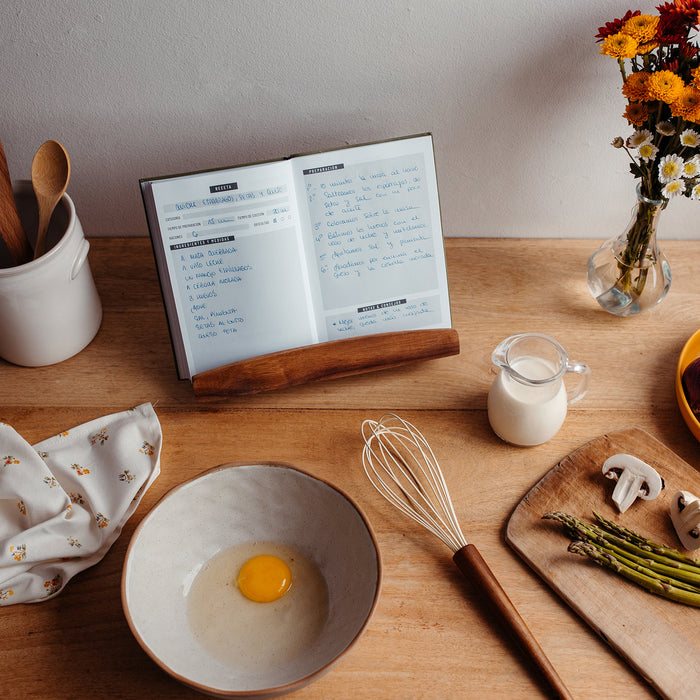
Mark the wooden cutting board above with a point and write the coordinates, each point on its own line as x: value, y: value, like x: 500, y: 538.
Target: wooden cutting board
x: 659, y: 638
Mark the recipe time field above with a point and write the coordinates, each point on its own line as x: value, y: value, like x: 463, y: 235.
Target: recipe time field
x: 285, y: 254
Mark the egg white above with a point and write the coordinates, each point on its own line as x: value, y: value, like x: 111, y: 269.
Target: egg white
x: 249, y: 635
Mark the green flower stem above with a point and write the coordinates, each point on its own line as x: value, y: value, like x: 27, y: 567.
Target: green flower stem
x: 635, y: 253
x: 659, y: 112
x: 621, y: 63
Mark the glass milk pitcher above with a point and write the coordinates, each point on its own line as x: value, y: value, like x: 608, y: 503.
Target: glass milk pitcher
x: 528, y: 398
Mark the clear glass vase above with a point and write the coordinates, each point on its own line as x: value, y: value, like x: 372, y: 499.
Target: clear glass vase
x: 629, y: 274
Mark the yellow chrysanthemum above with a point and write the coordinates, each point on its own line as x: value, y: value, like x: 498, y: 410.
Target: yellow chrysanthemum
x: 635, y: 87
x: 619, y: 46
x: 641, y: 27
x: 636, y: 113
x: 665, y: 85
x: 687, y: 104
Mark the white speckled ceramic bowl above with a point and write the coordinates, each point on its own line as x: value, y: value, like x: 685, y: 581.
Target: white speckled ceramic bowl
x: 230, y: 505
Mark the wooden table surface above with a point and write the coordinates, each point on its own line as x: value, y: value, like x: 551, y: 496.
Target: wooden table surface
x: 431, y: 636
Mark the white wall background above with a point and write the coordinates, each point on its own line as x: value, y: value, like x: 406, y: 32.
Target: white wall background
x: 521, y: 105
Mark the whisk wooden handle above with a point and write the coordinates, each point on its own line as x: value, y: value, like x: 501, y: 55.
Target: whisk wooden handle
x: 474, y: 567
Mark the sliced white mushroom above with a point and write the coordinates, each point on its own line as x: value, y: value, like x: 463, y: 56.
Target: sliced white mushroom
x: 685, y: 514
x: 635, y: 479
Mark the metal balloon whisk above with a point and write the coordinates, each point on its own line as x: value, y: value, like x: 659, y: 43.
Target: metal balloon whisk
x: 401, y: 465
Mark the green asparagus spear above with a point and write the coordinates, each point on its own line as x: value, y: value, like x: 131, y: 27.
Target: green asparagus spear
x: 642, y: 567
x: 650, y: 583
x: 670, y: 574
x: 622, y: 546
x: 645, y: 543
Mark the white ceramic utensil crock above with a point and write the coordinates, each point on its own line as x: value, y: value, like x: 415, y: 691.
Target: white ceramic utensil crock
x: 49, y: 307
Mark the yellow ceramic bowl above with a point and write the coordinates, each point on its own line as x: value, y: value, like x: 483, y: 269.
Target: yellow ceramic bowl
x: 690, y: 351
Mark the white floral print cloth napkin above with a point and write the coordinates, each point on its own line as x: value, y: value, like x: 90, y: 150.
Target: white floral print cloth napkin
x: 63, y: 502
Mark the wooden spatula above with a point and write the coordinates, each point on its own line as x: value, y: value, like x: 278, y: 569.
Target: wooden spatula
x: 10, y: 226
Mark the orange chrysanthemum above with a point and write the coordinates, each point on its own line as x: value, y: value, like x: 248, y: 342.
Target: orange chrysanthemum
x: 635, y: 87
x: 664, y: 85
x: 687, y: 105
x: 648, y: 47
x: 695, y: 73
x: 619, y: 46
x: 636, y: 113
x: 641, y: 27
x: 689, y: 8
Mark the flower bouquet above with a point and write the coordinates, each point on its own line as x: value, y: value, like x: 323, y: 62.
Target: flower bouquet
x: 659, y: 63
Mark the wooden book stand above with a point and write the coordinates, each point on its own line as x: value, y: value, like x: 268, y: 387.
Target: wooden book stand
x: 330, y: 360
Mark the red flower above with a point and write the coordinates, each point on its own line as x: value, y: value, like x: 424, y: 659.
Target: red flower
x: 688, y: 52
x: 680, y: 12
x: 674, y: 20
x: 690, y: 8
x: 615, y: 26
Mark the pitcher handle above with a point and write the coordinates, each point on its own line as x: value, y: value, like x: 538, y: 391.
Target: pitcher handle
x: 584, y: 372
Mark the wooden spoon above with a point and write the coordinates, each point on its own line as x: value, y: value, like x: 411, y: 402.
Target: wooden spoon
x: 50, y: 176
x: 10, y: 225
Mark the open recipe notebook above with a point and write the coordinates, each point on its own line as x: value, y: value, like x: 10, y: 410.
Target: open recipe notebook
x: 277, y: 255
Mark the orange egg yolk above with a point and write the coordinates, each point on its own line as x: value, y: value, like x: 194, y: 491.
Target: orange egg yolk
x: 264, y: 578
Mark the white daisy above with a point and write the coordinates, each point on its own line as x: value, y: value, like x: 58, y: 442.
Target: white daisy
x: 666, y: 128
x: 695, y: 192
x: 639, y: 138
x: 673, y: 189
x: 690, y: 138
x: 648, y: 151
x: 691, y: 167
x: 670, y: 168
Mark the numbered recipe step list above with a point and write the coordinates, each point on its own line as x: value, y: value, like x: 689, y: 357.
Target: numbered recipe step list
x: 373, y: 237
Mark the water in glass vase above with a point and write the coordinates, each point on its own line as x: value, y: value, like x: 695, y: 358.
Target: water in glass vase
x: 625, y: 290
x: 630, y: 274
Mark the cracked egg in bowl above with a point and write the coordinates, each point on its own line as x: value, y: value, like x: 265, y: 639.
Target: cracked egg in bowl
x: 251, y: 580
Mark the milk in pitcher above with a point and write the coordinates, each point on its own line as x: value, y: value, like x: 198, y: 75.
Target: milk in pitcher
x: 524, y: 414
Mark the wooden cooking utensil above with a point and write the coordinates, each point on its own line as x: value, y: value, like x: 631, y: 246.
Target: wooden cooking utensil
x: 401, y: 466
x: 50, y: 177
x: 10, y: 226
